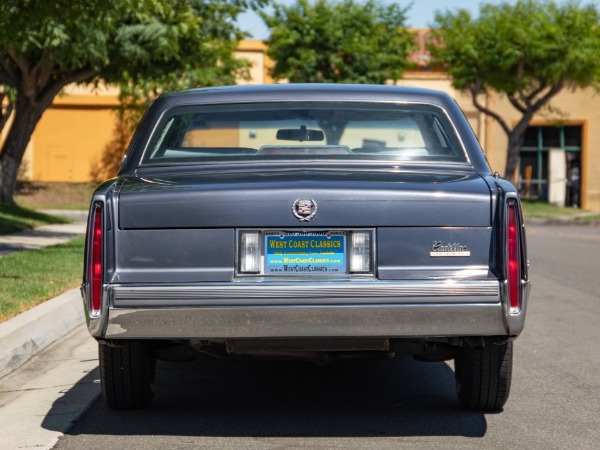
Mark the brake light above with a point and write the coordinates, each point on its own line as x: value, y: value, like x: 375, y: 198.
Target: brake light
x: 513, y: 258
x: 95, y: 260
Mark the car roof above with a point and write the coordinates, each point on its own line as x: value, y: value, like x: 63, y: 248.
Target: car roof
x: 299, y: 92
x: 307, y: 92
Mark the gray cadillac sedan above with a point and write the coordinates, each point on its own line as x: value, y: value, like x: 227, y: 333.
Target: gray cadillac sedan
x: 314, y: 222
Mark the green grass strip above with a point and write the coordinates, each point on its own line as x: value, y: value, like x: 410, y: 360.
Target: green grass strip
x: 539, y: 209
x: 13, y: 218
x: 31, y: 277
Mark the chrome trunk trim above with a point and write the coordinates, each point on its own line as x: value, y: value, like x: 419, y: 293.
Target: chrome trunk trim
x: 294, y: 292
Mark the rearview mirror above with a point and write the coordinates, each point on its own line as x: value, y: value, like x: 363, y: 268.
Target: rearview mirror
x: 301, y: 135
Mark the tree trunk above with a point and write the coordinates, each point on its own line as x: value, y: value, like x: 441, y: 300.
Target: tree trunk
x: 27, y: 114
x: 528, y: 103
x: 516, y: 137
x: 515, y: 142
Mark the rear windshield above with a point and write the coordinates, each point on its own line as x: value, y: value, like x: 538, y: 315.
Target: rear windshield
x: 284, y: 131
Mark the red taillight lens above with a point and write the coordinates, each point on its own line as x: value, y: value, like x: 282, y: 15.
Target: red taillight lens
x: 513, y: 258
x: 95, y: 262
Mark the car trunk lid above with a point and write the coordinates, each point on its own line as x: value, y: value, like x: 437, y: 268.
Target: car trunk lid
x: 343, y: 199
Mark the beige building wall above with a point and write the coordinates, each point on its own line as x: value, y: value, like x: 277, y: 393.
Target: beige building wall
x: 441, y: 82
x: 254, y: 51
x: 581, y: 108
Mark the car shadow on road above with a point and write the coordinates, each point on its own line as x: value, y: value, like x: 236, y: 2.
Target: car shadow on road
x: 210, y: 397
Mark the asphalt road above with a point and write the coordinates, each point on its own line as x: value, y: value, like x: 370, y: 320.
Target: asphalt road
x: 554, y: 403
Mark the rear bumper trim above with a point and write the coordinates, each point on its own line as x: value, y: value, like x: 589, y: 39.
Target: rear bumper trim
x: 307, y: 321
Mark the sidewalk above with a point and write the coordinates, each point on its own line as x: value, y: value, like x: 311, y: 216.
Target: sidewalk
x: 40, y: 401
x: 45, y: 235
x: 30, y: 332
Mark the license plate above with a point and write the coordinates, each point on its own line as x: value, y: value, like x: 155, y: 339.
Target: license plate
x: 299, y: 252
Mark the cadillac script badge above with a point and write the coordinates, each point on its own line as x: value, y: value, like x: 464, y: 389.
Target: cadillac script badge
x: 304, y: 209
x: 454, y: 249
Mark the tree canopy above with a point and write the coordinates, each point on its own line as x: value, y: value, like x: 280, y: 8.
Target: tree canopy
x: 528, y: 51
x: 145, y: 45
x: 342, y: 42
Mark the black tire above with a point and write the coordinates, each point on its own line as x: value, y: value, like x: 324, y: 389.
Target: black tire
x: 127, y: 374
x: 483, y: 376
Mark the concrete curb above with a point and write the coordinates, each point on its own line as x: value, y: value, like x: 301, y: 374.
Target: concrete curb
x: 30, y: 332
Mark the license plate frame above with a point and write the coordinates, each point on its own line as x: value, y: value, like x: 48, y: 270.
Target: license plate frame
x: 305, y: 252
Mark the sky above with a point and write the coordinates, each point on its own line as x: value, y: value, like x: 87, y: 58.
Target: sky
x: 420, y: 14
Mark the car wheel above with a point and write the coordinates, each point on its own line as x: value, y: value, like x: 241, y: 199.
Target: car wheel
x: 127, y: 374
x: 483, y: 375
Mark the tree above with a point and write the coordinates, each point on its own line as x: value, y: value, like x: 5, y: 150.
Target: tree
x: 46, y: 45
x: 338, y: 42
x: 529, y: 52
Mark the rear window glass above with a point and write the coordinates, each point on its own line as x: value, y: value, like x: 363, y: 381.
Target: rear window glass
x: 272, y: 131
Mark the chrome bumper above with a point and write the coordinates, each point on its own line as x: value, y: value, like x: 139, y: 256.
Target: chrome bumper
x: 309, y: 309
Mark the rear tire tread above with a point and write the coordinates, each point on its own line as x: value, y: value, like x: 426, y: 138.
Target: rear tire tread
x: 483, y: 376
x: 127, y: 373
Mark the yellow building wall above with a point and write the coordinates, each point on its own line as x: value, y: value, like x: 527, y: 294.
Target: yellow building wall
x: 219, y: 136
x: 69, y: 140
x: 72, y: 134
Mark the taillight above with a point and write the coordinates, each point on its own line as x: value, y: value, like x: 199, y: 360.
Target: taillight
x: 513, y: 257
x: 95, y: 260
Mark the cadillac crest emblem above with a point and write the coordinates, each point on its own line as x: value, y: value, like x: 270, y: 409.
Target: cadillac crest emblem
x: 304, y: 209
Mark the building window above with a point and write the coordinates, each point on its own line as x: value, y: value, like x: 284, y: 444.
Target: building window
x: 550, y: 165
